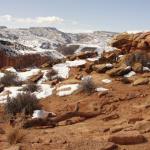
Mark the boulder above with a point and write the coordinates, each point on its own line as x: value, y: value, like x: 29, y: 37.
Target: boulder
x: 102, y: 68
x: 36, y: 78
x: 88, y: 67
x: 83, y: 55
x: 120, y: 71
x: 127, y: 138
x: 91, y: 145
x: 137, y: 67
x: 141, y: 81
x: 110, y: 56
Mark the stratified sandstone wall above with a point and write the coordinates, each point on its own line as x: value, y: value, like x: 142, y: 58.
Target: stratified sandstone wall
x: 22, y: 61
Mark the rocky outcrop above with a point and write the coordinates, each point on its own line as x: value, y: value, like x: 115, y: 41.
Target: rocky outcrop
x: 83, y: 55
x: 129, y: 42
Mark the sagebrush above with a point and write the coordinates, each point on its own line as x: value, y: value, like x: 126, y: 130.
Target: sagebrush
x: 25, y: 102
x: 10, y: 79
x: 87, y: 85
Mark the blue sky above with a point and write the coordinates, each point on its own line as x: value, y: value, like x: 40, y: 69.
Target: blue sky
x: 77, y: 15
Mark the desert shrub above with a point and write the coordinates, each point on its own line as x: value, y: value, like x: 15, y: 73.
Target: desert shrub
x: 25, y: 102
x: 10, y: 79
x: 51, y: 73
x: 15, y: 135
x: 87, y: 85
x: 32, y: 87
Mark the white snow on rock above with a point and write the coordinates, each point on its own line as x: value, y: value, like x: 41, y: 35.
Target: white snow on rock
x: 146, y: 69
x: 68, y: 89
x: 101, y: 89
x: 106, y: 80
x: 130, y: 74
x: 1, y: 74
x: 62, y: 69
x: 44, y: 78
x: 75, y: 63
x: 93, y: 59
x: 41, y: 114
x: 26, y: 74
x: 45, y: 91
x: 11, y: 69
x: 109, y: 65
x: 11, y: 92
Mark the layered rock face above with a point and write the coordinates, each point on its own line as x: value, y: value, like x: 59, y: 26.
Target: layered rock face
x: 138, y: 41
x: 22, y: 61
x: 20, y: 56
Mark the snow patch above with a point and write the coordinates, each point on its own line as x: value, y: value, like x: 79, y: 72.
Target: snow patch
x: 41, y: 114
x: 68, y: 89
x: 45, y: 91
x: 93, y: 59
x: 62, y: 69
x: 130, y: 74
x: 101, y: 89
x: 75, y: 63
x: 106, y: 80
x: 146, y: 69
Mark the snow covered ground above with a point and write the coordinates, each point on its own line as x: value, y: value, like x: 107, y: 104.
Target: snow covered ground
x: 44, y: 91
x: 64, y: 68
x: 23, y: 76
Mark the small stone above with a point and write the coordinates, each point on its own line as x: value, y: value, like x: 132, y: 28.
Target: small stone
x: 127, y: 138
x: 116, y: 129
x: 100, y: 94
x: 134, y: 120
x: 111, y: 117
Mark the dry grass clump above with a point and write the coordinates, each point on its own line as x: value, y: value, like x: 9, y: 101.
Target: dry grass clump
x: 25, y: 102
x: 51, y: 73
x: 87, y: 85
x: 10, y: 79
x: 32, y: 87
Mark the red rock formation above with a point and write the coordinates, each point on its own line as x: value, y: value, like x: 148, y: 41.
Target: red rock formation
x: 22, y: 61
x: 127, y: 42
x: 20, y: 56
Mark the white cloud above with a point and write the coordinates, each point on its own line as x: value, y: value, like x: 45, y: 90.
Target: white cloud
x: 37, y: 21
